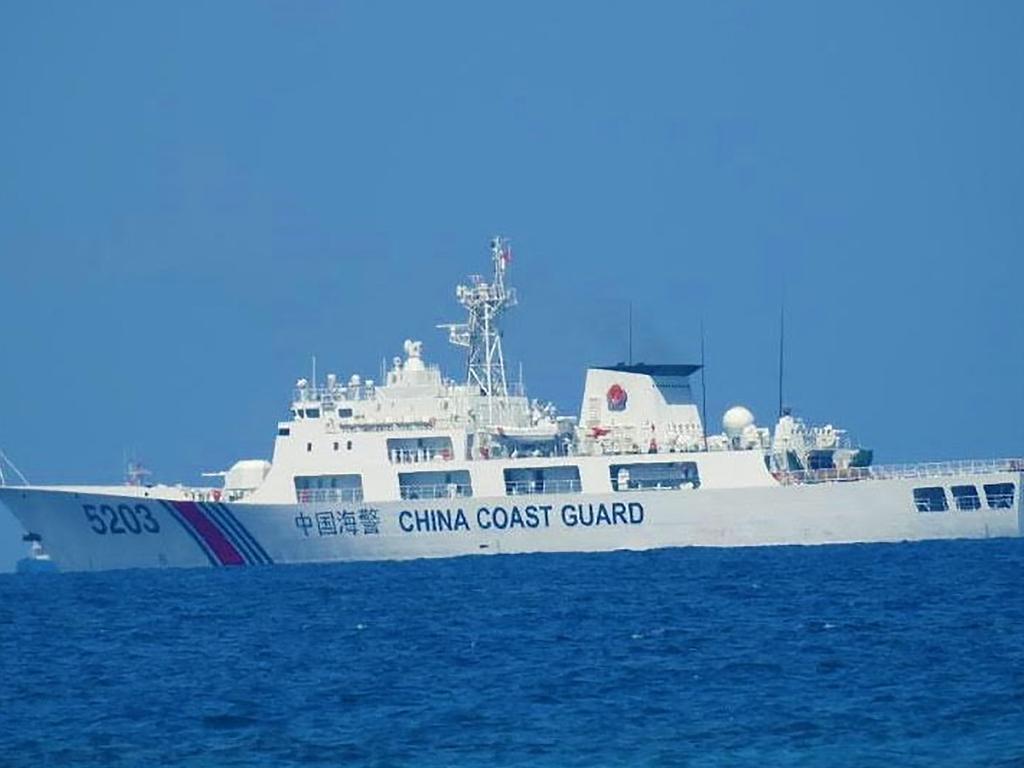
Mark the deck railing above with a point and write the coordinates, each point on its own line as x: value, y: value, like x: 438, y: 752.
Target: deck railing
x: 518, y: 487
x: 440, y: 491
x: 408, y: 456
x: 310, y: 495
x: 903, y: 471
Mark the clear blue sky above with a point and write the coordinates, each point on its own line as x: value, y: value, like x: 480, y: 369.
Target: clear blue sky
x: 196, y: 197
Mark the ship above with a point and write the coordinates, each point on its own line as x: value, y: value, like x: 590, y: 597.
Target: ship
x: 38, y: 559
x: 418, y: 465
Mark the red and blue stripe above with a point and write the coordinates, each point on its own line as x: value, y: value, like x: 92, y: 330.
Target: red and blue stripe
x: 218, y: 532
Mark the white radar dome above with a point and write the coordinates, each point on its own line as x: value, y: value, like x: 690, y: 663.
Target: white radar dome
x: 736, y: 419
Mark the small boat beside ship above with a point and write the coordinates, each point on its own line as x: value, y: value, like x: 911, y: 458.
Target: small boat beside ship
x: 421, y: 465
x: 38, y: 559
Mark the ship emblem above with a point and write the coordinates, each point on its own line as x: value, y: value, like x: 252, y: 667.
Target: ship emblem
x: 616, y: 398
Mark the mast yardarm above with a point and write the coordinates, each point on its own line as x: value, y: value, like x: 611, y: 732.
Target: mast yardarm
x: 481, y: 334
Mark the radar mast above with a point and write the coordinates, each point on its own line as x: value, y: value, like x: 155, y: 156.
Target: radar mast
x: 481, y: 335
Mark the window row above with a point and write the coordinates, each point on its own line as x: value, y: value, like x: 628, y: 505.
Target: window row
x: 413, y: 450
x: 314, y: 413
x: 310, y: 488
x: 337, y: 446
x: 440, y: 484
x: 965, y: 497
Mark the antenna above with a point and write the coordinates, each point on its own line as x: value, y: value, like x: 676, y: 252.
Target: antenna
x: 703, y: 390
x: 481, y: 334
x: 630, y: 333
x: 313, y: 380
x: 782, y: 341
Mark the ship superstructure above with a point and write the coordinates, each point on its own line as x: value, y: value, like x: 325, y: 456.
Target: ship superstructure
x: 418, y: 464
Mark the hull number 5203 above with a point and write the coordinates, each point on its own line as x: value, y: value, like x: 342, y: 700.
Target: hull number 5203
x: 124, y: 518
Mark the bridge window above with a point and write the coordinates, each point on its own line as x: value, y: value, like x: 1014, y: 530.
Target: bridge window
x: 312, y: 413
x: 542, y: 480
x: 820, y: 460
x: 999, y: 495
x: 412, y: 450
x: 653, y: 476
x: 434, y: 485
x: 930, y: 499
x: 310, y: 488
x: 966, y: 497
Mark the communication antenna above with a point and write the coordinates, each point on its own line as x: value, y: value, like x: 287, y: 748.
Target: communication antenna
x: 630, y: 333
x: 135, y: 473
x: 782, y: 341
x: 481, y: 334
x: 703, y: 390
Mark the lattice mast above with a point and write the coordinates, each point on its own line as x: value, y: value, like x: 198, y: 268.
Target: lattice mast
x: 481, y: 335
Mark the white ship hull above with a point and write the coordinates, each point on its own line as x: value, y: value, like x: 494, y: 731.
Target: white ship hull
x: 97, y: 531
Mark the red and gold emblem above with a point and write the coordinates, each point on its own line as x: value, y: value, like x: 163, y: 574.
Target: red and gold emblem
x: 616, y: 398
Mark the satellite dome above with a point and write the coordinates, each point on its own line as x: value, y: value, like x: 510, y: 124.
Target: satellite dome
x: 736, y: 419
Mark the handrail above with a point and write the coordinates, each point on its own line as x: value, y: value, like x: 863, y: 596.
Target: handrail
x: 309, y: 495
x: 516, y: 487
x: 408, y: 456
x: 902, y: 471
x: 438, y: 491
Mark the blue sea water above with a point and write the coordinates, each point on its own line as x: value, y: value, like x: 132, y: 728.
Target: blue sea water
x: 903, y: 654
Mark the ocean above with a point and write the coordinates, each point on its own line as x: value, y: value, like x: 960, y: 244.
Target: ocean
x: 893, y: 654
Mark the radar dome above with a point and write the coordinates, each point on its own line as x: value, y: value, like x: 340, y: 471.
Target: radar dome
x: 736, y: 419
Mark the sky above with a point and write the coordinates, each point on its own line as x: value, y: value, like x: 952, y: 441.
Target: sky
x: 196, y: 198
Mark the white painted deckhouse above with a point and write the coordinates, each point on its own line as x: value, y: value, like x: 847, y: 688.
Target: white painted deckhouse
x: 419, y: 465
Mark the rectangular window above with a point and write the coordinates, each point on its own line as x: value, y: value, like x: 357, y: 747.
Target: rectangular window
x: 310, y: 488
x: 654, y: 476
x: 930, y: 499
x: 312, y: 413
x: 966, y: 497
x: 283, y: 431
x: 413, y: 450
x: 820, y: 460
x: 999, y: 495
x: 345, y: 413
x: 434, y: 485
x: 522, y: 480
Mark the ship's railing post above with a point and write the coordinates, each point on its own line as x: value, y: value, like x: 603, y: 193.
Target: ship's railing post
x: 904, y: 471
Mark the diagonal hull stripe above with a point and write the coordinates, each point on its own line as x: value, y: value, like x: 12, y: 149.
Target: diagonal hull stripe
x: 230, y: 531
x: 189, y: 530
x: 245, y: 534
x: 222, y: 548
